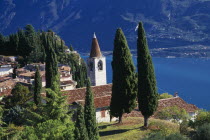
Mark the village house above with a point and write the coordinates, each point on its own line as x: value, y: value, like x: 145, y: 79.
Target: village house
x: 7, y: 58
x: 169, y: 102
x: 27, y: 75
x: 6, y: 86
x: 5, y: 69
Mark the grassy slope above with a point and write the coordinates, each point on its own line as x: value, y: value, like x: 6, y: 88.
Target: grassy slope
x: 130, y: 129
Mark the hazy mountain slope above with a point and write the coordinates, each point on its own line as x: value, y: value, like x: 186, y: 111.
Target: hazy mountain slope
x: 168, y: 23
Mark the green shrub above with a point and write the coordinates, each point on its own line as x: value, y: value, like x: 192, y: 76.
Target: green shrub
x: 203, y: 132
x: 165, y: 128
x: 165, y: 96
x: 184, y: 127
x: 155, y: 136
x: 202, y: 117
x: 173, y: 113
x: 176, y: 136
x: 49, y: 130
x: 159, y: 136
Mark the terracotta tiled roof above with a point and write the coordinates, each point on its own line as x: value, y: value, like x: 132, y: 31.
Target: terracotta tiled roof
x: 102, y: 98
x: 99, y: 102
x: 163, y: 103
x: 7, y: 83
x: 95, y: 49
x: 6, y: 87
x: 6, y: 92
x: 27, y: 74
x: 69, y: 82
x: 2, y: 79
x: 176, y: 101
x: 102, y: 95
x: 65, y: 68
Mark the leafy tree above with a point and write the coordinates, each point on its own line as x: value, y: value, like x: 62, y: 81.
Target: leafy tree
x: 80, y: 132
x: 20, y: 94
x: 165, y: 96
x: 51, y: 129
x: 124, y: 83
x: 90, y: 114
x: 147, y: 90
x: 37, y: 87
x: 173, y: 113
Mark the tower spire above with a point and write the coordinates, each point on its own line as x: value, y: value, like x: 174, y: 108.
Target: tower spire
x: 94, y: 35
x: 95, y: 49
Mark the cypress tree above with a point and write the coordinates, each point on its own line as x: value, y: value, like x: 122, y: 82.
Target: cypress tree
x: 90, y: 114
x: 51, y: 67
x: 37, y: 87
x: 80, y: 132
x: 147, y: 90
x: 124, y: 83
x: 71, y: 48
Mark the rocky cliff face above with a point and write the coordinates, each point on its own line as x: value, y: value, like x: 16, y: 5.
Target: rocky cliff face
x: 168, y: 23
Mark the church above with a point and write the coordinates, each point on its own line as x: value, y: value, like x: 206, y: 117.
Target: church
x: 96, y: 67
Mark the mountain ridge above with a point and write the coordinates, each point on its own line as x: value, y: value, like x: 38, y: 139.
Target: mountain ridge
x: 167, y: 23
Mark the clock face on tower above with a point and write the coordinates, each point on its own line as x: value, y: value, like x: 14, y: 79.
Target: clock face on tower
x: 100, y: 65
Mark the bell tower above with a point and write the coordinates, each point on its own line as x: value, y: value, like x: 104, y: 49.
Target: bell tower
x: 96, y: 64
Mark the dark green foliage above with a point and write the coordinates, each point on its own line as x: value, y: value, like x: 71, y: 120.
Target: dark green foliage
x: 52, y: 75
x: 203, y: 132
x: 37, y: 87
x: 1, y: 114
x: 124, y: 83
x: 14, y: 115
x: 2, y: 45
x: 147, y: 90
x: 78, y: 69
x: 71, y: 48
x: 155, y: 136
x: 90, y: 114
x: 12, y: 45
x: 80, y: 132
x: 176, y: 136
x: 159, y: 136
x: 20, y: 94
x: 184, y: 127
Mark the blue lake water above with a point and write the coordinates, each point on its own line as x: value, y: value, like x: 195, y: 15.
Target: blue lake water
x: 190, y: 77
